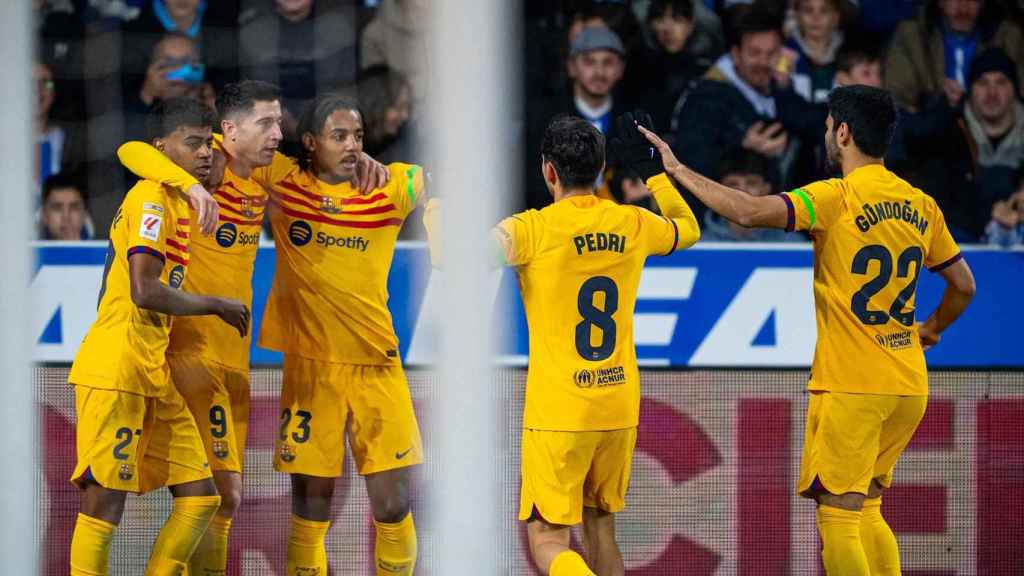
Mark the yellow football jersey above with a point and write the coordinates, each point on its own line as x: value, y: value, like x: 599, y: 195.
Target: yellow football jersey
x: 222, y: 264
x: 579, y: 262
x: 124, y: 348
x: 873, y: 234
x: 329, y: 298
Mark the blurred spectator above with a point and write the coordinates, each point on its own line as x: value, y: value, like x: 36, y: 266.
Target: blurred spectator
x: 750, y: 172
x: 673, y: 65
x: 385, y: 98
x: 815, y: 42
x: 967, y: 159
x: 303, y: 46
x: 932, y: 54
x: 397, y: 38
x: 63, y: 215
x: 596, y: 65
x: 738, y: 104
x: 60, y: 33
x: 173, y: 70
x: 60, y: 146
x: 858, y: 64
x: 1006, y: 228
x: 211, y: 25
x: 880, y: 17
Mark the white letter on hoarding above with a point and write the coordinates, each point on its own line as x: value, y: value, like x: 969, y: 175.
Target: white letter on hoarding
x: 72, y: 290
x: 785, y: 291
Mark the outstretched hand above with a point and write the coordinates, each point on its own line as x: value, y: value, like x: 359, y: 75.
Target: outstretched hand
x: 631, y: 149
x: 668, y: 158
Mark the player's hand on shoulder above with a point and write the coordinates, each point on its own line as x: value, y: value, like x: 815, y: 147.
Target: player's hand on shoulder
x: 370, y: 174
x: 205, y: 206
x: 234, y: 313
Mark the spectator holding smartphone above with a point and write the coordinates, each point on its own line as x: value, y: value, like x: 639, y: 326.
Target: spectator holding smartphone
x: 174, y: 70
x: 1006, y: 228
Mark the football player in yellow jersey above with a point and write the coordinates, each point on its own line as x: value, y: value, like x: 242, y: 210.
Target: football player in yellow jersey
x: 873, y: 234
x: 579, y: 262
x: 327, y: 311
x: 134, y: 432
x: 208, y: 366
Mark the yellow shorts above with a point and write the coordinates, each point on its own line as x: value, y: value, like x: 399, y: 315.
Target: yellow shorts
x: 319, y: 398
x: 218, y: 398
x: 136, y: 443
x: 852, y: 439
x: 564, y: 471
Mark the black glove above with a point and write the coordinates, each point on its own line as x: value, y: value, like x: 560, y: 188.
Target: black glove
x: 632, y: 150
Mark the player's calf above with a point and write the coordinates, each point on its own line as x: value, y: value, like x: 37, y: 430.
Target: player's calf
x: 396, y: 545
x: 102, y: 510
x: 549, y: 548
x: 599, y: 543
x: 195, y: 504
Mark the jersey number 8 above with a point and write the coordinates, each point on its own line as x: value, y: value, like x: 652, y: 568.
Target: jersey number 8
x: 596, y: 317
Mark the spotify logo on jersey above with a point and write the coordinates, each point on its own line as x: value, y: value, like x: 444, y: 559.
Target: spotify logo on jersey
x: 300, y: 233
x: 176, y: 276
x: 227, y: 234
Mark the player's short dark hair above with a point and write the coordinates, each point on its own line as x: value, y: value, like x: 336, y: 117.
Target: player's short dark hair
x: 315, y: 115
x: 60, y: 181
x: 680, y: 9
x: 241, y: 97
x: 169, y: 115
x: 869, y: 112
x: 851, y: 54
x: 575, y: 148
x: 753, y: 20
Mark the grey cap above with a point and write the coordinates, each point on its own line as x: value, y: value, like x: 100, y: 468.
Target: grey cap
x: 596, y: 38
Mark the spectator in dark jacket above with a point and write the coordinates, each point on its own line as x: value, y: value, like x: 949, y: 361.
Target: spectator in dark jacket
x: 60, y: 146
x: 385, y: 99
x: 967, y: 157
x: 816, y: 41
x: 738, y: 104
x: 62, y: 215
x: 932, y: 55
x: 673, y: 64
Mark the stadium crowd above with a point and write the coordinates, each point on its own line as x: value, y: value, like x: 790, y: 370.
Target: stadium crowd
x: 737, y: 88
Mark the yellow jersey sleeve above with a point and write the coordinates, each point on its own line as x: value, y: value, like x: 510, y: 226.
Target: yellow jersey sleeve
x: 813, y: 207
x: 942, y: 250
x: 517, y: 238
x: 148, y: 163
x: 145, y: 213
x: 406, y: 187
x: 672, y: 206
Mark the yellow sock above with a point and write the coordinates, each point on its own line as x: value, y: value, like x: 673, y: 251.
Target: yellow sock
x: 211, y: 556
x: 180, y: 535
x: 569, y: 563
x: 879, y: 542
x: 90, y: 546
x: 396, y: 547
x: 842, y: 551
x: 307, y: 555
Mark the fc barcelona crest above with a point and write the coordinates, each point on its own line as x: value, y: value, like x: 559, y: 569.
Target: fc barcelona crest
x: 327, y: 205
x: 125, y: 472
x: 220, y: 449
x: 287, y: 453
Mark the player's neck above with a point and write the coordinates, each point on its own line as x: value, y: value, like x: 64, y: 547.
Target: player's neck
x: 857, y: 160
x: 236, y: 164
x: 562, y: 194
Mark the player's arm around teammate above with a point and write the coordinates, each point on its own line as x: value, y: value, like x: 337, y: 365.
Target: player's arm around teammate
x: 133, y: 432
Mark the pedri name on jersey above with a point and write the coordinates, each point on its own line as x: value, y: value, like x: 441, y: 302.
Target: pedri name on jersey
x: 872, y: 214
x: 599, y: 242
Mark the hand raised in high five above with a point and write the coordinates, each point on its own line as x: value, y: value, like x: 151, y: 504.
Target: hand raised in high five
x: 631, y: 149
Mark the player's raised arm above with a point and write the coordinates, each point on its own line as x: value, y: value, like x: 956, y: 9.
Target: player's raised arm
x: 146, y: 162
x: 635, y: 153
x: 738, y: 206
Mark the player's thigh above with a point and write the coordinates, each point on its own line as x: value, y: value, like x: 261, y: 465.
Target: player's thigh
x: 897, y: 431
x: 109, y: 438
x: 608, y: 480
x: 383, y: 431
x: 218, y: 398
x: 174, y: 452
x: 554, y: 466
x: 313, y: 411
x: 841, y: 442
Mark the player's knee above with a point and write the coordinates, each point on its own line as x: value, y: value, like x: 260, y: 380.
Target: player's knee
x: 311, y: 497
x: 230, y: 500
x: 391, y: 509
